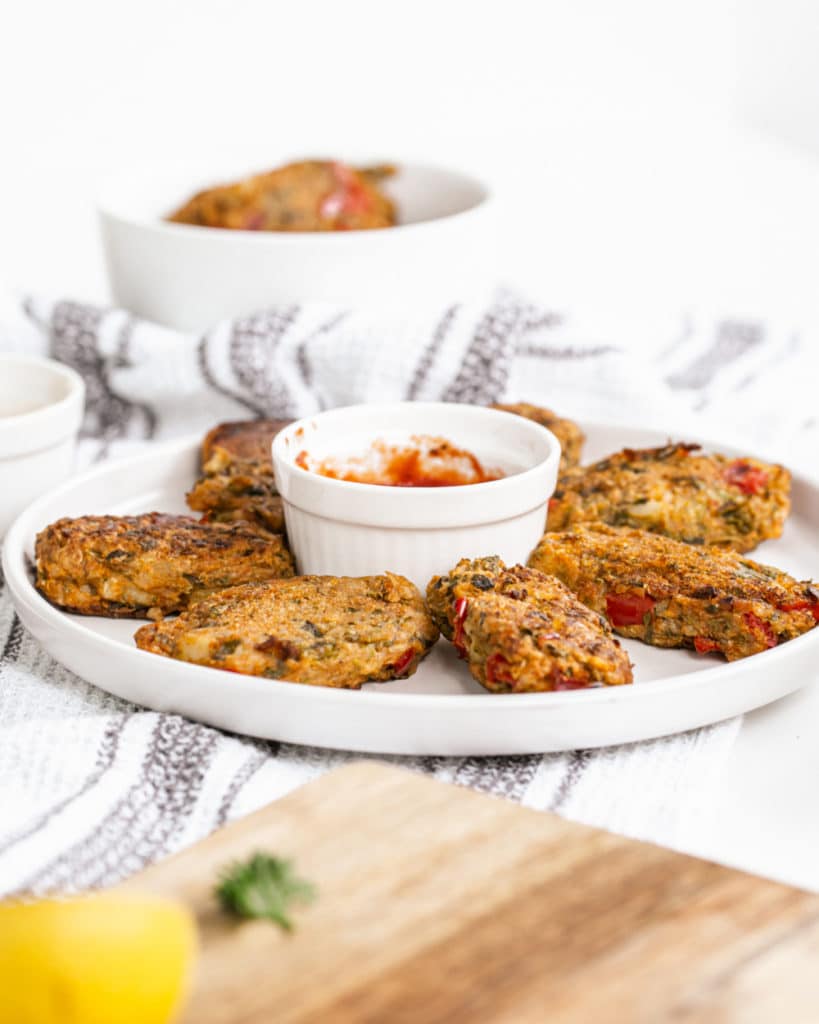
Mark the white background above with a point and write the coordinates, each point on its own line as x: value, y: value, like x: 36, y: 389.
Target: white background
x: 647, y: 151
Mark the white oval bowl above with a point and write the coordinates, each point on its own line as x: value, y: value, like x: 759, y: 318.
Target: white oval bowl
x: 340, y: 528
x: 41, y: 409
x: 189, y: 277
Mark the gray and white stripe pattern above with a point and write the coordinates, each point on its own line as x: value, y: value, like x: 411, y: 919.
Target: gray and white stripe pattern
x: 93, y: 789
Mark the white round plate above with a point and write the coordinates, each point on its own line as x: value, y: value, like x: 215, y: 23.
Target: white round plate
x: 440, y: 710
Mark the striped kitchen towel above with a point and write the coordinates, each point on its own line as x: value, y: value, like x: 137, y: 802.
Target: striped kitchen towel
x: 93, y: 788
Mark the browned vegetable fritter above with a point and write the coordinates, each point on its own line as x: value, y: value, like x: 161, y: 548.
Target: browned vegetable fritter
x: 671, y: 594
x: 310, y: 195
x: 237, y: 481
x: 150, y: 565
x: 700, y: 499
x: 469, y: 578
x: 240, y: 445
x: 321, y: 630
x: 522, y: 631
x: 569, y: 434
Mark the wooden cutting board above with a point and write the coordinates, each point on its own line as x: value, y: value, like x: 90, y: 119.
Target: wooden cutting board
x: 437, y: 904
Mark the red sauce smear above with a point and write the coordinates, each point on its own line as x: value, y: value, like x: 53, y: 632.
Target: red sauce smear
x: 425, y: 462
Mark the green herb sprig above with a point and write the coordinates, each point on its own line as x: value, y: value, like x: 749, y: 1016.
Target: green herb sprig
x: 263, y: 887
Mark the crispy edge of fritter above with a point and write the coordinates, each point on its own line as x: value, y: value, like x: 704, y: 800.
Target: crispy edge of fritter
x: 388, y: 589
x: 56, y: 543
x: 469, y: 576
x: 702, y: 590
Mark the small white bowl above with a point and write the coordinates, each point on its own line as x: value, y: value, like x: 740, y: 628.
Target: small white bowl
x: 189, y: 277
x: 340, y: 528
x: 41, y: 409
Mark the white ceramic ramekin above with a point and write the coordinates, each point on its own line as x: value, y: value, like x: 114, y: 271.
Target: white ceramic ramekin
x: 41, y: 408
x: 189, y: 277
x: 340, y: 528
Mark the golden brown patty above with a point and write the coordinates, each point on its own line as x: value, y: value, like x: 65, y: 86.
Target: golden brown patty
x: 700, y: 499
x: 311, y: 195
x: 469, y: 578
x: 521, y: 631
x: 237, y: 481
x: 321, y: 630
x: 672, y: 594
x: 240, y: 445
x: 232, y: 498
x: 569, y: 434
x: 149, y: 565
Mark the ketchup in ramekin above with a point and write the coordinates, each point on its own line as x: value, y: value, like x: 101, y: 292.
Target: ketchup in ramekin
x: 424, y: 462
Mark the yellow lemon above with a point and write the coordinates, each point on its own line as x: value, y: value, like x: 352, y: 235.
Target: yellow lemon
x: 110, y: 958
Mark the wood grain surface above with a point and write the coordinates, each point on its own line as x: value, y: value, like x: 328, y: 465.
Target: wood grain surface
x: 437, y: 904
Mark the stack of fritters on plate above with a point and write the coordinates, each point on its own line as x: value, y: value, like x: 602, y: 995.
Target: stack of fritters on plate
x: 677, y: 578
x: 237, y: 475
x: 648, y: 543
x: 653, y: 539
